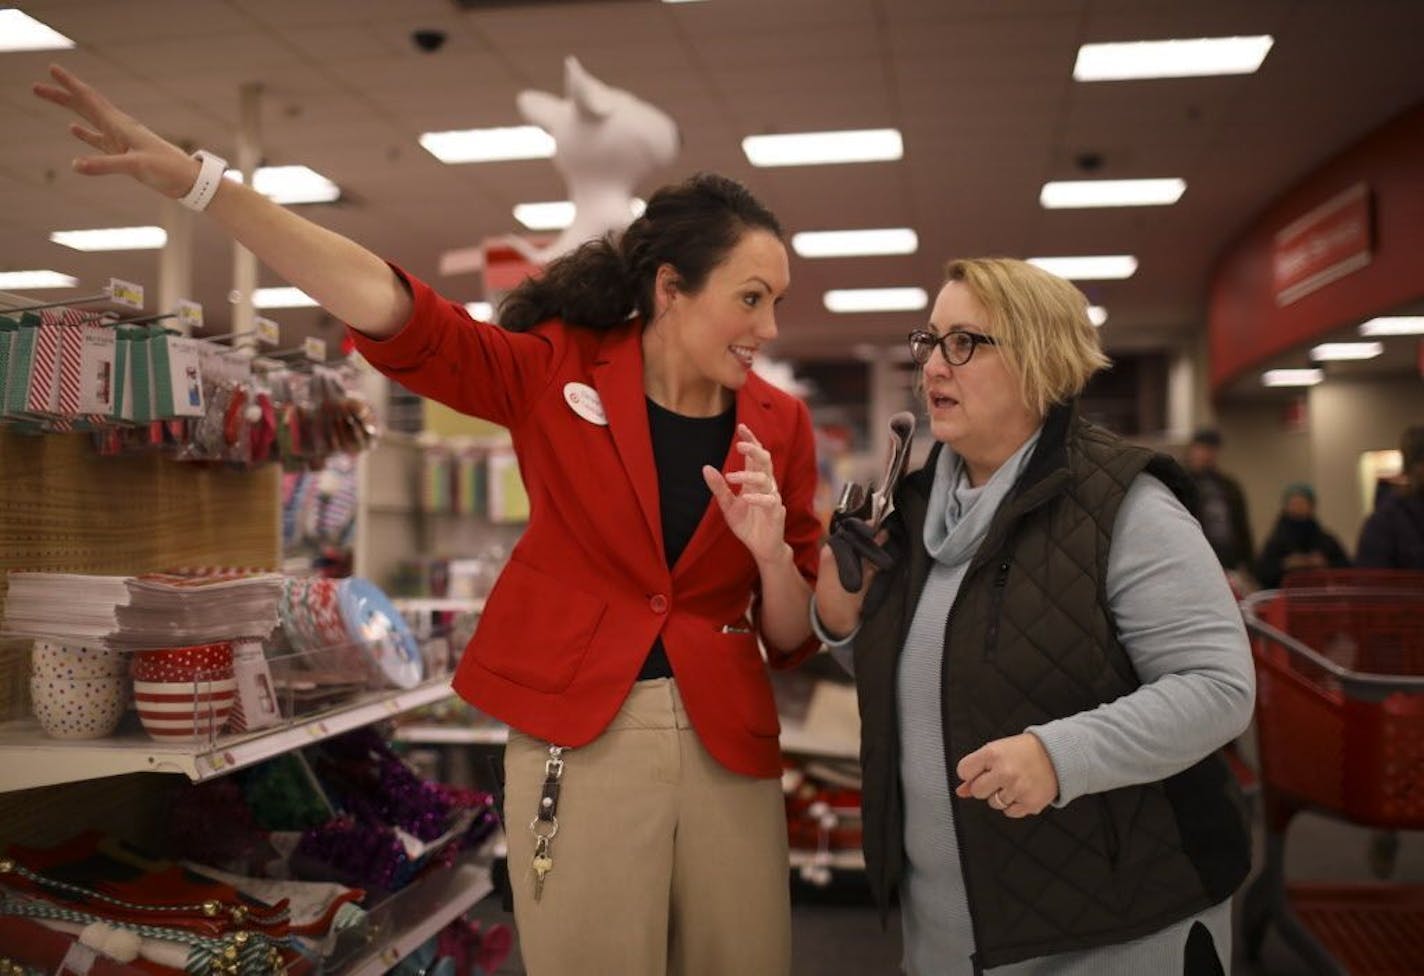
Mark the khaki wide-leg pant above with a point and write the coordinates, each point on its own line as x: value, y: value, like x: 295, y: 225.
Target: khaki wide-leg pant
x: 665, y: 863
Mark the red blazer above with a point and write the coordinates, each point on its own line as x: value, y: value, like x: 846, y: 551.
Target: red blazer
x: 570, y: 621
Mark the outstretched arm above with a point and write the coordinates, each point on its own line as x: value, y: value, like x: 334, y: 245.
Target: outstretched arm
x: 347, y: 280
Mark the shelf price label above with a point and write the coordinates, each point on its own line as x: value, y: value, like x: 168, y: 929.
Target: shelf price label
x: 268, y: 332
x: 125, y: 293
x: 314, y: 348
x: 190, y: 315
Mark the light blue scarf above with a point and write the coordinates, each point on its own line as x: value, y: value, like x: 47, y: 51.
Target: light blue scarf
x: 966, y: 512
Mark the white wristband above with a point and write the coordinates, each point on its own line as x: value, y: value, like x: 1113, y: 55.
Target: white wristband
x: 209, y: 179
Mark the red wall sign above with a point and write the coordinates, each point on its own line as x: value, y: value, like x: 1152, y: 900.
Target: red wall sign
x: 1322, y: 246
x: 1344, y: 244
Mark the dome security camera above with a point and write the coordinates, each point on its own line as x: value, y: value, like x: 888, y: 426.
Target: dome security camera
x: 428, y: 41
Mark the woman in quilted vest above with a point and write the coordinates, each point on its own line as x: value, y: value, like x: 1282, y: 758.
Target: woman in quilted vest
x: 1046, y: 666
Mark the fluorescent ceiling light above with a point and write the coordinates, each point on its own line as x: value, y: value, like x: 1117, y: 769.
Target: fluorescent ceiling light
x: 483, y: 311
x: 558, y: 214
x: 1292, y: 377
x: 285, y: 297
x: 489, y: 145
x: 1393, y: 325
x: 112, y: 238
x: 21, y: 32
x: 816, y: 148
x: 1097, y: 315
x: 849, y: 243
x: 36, y: 279
x: 290, y: 184
x: 1328, y: 351
x: 876, y: 300
x: 1171, y: 59
x: 1095, y: 268
x: 1066, y: 194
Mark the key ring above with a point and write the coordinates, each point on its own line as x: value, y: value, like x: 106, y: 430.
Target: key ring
x: 553, y: 823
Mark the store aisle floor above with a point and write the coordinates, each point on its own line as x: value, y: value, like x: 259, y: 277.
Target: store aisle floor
x: 846, y: 940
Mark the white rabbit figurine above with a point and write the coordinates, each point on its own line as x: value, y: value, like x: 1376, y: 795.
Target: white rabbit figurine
x: 606, y: 141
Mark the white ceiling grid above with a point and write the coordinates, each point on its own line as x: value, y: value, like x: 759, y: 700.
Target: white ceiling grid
x: 981, y: 89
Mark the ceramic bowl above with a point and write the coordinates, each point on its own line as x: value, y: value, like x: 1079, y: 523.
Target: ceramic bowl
x: 51, y: 660
x: 205, y: 661
x: 78, y: 708
x: 177, y: 711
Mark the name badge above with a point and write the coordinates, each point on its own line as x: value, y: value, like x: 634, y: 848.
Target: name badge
x: 584, y: 401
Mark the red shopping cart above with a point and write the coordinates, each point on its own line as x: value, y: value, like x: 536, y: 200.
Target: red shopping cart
x: 1340, y: 729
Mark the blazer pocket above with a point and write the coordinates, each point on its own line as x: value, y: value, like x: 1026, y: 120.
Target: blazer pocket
x: 752, y: 685
x: 541, y: 628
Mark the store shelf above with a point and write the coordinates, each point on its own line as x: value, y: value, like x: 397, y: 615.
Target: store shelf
x: 452, y: 735
x: 427, y: 604
x: 793, y: 739
x: 835, y: 860
x: 421, y: 911
x: 797, y: 740
x: 29, y: 758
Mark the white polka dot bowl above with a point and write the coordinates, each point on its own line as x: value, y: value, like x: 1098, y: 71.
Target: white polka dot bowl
x: 184, y: 711
x: 78, y: 708
x: 54, y: 661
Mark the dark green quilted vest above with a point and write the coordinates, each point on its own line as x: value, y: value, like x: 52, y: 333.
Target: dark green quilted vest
x: 1030, y: 639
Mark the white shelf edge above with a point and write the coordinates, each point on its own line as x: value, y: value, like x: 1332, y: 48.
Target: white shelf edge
x: 29, y: 759
x: 793, y: 739
x: 417, y: 604
x: 797, y: 740
x: 452, y: 735
x: 839, y: 860
x: 470, y: 882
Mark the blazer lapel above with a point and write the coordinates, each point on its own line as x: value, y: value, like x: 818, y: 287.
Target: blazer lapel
x: 618, y: 378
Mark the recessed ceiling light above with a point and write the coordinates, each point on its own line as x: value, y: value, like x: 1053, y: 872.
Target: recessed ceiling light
x: 1292, y: 377
x: 1393, y: 325
x: 36, y: 279
x: 1184, y: 58
x: 112, y: 238
x: 1328, y: 351
x: 849, y: 243
x: 1097, y: 315
x: 489, y: 145
x: 290, y: 184
x: 819, y: 148
x: 558, y: 214
x: 21, y: 32
x: 283, y: 297
x: 876, y: 300
x: 1066, y: 194
x: 1090, y: 268
x: 483, y: 311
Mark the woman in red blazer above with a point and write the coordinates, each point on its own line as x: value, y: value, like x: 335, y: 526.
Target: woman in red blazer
x: 645, y: 825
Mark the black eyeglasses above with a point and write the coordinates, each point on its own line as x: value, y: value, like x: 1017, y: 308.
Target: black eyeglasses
x: 956, y: 346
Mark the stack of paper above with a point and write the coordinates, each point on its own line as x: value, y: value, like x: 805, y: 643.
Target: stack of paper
x: 135, y: 613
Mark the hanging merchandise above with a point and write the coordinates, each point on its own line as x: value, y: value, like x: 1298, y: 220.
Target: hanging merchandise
x: 167, y: 915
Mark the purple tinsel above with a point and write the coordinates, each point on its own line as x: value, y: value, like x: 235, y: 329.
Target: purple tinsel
x: 376, y: 791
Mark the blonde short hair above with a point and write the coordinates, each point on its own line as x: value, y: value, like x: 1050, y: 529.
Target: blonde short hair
x: 1040, y: 322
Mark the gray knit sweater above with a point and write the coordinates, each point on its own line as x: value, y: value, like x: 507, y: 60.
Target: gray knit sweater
x: 1182, y: 630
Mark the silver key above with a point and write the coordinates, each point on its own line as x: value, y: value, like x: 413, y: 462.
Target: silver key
x: 543, y: 864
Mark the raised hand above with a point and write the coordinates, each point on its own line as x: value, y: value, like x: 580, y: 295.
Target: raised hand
x: 124, y: 144
x: 755, y: 514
